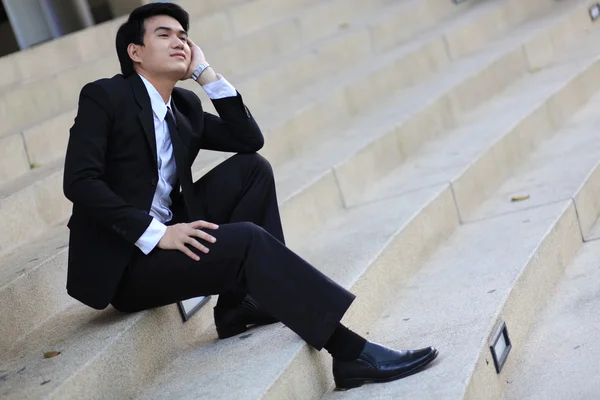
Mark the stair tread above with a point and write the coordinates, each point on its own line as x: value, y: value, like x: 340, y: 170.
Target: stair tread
x: 435, y: 163
x: 483, y: 260
x: 19, y: 262
x: 462, y: 67
x: 443, y: 159
x: 78, y: 332
x: 559, y: 359
x: 30, y: 178
x: 547, y: 180
x: 452, y: 301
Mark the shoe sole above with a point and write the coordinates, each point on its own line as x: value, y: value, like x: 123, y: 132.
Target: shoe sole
x: 352, y: 383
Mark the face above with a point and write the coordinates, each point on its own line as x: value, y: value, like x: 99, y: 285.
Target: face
x: 165, y: 51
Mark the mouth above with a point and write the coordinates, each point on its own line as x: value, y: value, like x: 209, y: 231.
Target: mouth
x: 179, y: 55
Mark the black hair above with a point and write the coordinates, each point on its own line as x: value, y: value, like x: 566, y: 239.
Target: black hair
x: 133, y: 30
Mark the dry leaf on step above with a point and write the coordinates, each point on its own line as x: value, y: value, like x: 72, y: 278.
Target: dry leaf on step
x: 520, y: 198
x: 50, y: 354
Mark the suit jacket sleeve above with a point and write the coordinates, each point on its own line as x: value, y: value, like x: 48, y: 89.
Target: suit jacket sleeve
x: 83, y: 182
x: 234, y: 130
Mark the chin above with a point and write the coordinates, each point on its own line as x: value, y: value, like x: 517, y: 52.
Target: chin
x: 176, y: 73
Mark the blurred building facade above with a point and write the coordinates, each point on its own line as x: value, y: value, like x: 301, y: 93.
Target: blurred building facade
x: 26, y: 23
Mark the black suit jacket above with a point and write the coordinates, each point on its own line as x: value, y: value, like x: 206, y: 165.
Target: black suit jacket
x: 111, y: 172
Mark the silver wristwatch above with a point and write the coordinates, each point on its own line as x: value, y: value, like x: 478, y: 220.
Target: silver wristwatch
x: 196, y: 74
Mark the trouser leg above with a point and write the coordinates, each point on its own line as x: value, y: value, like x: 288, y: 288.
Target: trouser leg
x: 240, y: 189
x: 245, y: 254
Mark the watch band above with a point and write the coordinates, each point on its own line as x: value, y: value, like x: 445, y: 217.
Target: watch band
x: 196, y: 74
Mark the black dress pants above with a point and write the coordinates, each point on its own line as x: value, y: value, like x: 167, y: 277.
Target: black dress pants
x: 249, y: 256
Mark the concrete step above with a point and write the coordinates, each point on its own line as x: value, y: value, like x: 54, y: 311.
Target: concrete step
x: 269, y: 56
x: 403, y: 67
x: 501, y: 266
x: 295, y: 114
x: 302, y: 185
x: 56, y: 93
x: 509, y: 127
x: 559, y: 357
x: 89, y: 342
x: 76, y: 48
x: 212, y: 20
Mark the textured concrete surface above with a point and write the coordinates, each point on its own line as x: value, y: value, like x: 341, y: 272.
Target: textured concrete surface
x: 454, y: 299
x: 547, y: 180
x: 452, y: 155
x: 104, y: 354
x: 560, y: 357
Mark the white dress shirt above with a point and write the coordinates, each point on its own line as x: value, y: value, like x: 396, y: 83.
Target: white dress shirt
x: 167, y: 172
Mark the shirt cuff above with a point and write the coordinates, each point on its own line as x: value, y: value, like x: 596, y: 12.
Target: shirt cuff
x: 219, y: 89
x: 149, y: 239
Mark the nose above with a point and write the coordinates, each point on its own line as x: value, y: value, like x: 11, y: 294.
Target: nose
x: 178, y: 44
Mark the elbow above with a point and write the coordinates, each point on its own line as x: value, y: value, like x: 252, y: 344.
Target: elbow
x: 68, y: 190
x: 259, y: 138
x: 260, y: 143
x: 73, y: 188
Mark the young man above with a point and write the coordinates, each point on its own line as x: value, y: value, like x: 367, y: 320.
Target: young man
x: 144, y: 235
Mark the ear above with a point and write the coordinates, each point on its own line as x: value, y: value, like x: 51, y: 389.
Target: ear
x: 134, y: 52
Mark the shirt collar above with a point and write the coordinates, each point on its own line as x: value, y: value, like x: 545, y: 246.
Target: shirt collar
x: 156, y: 101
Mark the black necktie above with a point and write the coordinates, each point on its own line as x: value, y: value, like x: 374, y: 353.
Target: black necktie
x: 184, y: 174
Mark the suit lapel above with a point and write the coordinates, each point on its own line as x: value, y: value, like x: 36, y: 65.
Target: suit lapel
x: 145, y: 115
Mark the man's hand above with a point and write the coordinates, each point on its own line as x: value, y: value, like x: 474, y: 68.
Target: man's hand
x: 177, y: 236
x: 208, y: 75
x: 197, y: 59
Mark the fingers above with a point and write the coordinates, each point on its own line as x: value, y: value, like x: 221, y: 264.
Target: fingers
x: 203, y: 224
x: 196, y: 244
x: 202, y: 235
x: 191, y: 43
x: 188, y: 252
x: 188, y: 234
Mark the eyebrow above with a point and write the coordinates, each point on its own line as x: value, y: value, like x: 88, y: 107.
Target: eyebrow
x: 166, y: 28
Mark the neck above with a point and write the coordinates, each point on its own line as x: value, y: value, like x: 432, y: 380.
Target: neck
x: 163, y: 85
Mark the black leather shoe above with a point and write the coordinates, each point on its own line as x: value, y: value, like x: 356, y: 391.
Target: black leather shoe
x: 378, y: 363
x: 233, y: 321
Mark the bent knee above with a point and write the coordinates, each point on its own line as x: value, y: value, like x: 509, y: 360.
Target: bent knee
x: 255, y: 160
x: 248, y: 228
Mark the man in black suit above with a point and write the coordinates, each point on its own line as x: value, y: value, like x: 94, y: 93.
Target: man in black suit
x: 144, y: 235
